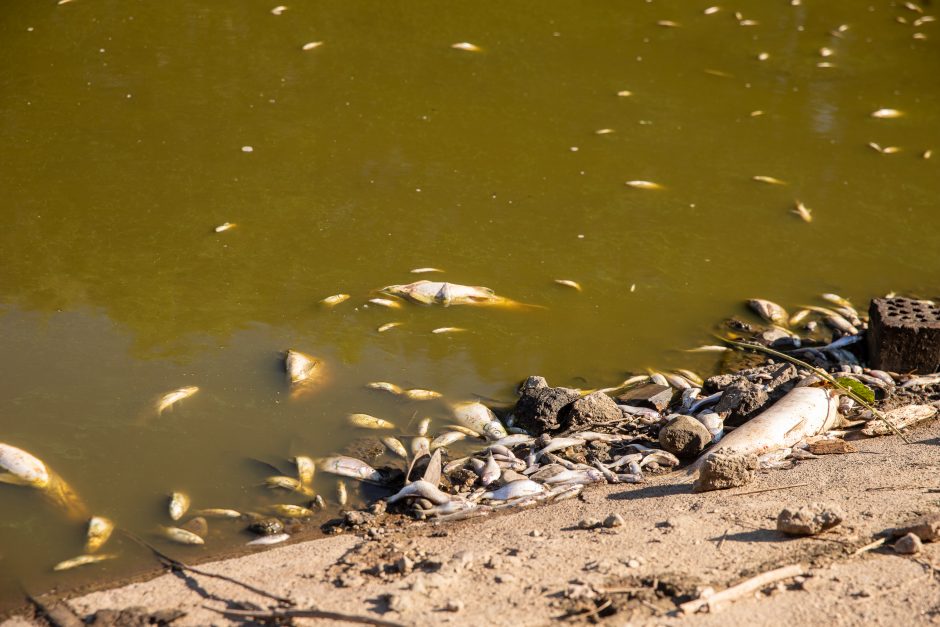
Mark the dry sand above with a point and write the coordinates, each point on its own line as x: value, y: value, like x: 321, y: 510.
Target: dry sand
x: 534, y: 566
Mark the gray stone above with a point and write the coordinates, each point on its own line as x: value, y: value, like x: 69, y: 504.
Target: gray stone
x: 908, y: 545
x: 809, y: 520
x: 725, y: 470
x: 650, y: 395
x: 614, y: 520
x: 590, y: 410
x: 684, y: 437
x: 540, y: 409
x: 533, y: 383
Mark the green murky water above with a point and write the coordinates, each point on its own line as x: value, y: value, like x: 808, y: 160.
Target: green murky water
x: 122, y: 127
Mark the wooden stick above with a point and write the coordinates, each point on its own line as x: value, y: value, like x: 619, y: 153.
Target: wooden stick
x: 782, y: 487
x: 869, y: 547
x: 744, y: 588
x: 291, y: 613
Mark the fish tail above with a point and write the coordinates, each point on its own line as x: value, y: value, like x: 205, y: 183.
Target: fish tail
x: 63, y: 496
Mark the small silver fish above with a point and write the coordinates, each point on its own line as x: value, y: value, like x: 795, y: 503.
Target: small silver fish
x: 311, y: 45
x: 395, y: 446
x: 466, y: 46
x: 225, y: 227
x: 569, y: 283
x: 342, y: 496
x: 886, y: 114
x: 287, y: 483
x: 770, y: 180
x: 446, y: 439
x: 350, y: 467
x: 440, y: 330
x: 218, y: 512
x: 708, y: 348
x: 417, y: 394
x: 491, y: 471
x: 803, y: 211
x: 170, y: 399
x: 425, y: 270
x: 82, y: 560
x: 386, y: 302
x: 289, y: 511
x: 278, y: 10
x: 335, y: 299
x: 388, y: 325
x: 420, y: 489
x: 268, y: 540
x: 637, y: 184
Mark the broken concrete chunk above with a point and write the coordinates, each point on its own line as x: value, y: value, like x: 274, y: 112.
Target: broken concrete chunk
x: 685, y: 437
x: 927, y: 528
x: 830, y: 446
x: 809, y: 520
x: 721, y: 471
x: 651, y: 395
x: 908, y: 544
x: 593, y: 409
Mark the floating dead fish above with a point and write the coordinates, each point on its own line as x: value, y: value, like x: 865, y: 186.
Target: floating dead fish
x: 306, y: 468
x: 289, y: 511
x: 384, y: 386
x: 886, y: 114
x: 287, y: 483
x: 385, y: 302
x: 99, y: 530
x: 21, y: 468
x: 756, y: 114
x: 218, y: 512
x: 418, y: 394
x: 311, y: 45
x: 926, y: 154
x: 637, y: 184
x: 423, y: 490
x: 350, y: 467
x: 82, y: 560
x: 335, y: 299
x: 181, y: 536
x: 168, y: 400
x: 826, y: 52
x: 444, y: 293
x: 763, y: 56
x: 446, y: 439
x: 441, y: 330
x: 799, y: 317
x: 388, y: 325
x: 366, y: 421
x: 425, y: 270
x: 668, y: 24
x: 269, y: 540
x: 711, y: 10
x: 803, y: 211
x: 468, y: 432
x: 769, y: 311
x: 395, y: 446
x: 278, y: 10
x: 624, y: 93
x: 342, y: 496
x: 178, y: 505
x: 760, y: 178
x: 885, y: 150
x: 708, y: 348
x: 569, y: 283
x: 477, y: 416
x: 300, y: 367
x: 835, y: 299
x: 225, y: 227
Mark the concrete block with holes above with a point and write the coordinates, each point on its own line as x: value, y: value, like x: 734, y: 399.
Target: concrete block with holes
x: 904, y: 335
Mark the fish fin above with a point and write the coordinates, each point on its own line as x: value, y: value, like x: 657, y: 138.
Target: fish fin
x: 432, y: 474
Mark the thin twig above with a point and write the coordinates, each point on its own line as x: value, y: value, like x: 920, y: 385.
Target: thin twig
x: 175, y: 563
x: 825, y: 375
x: 871, y: 546
x: 781, y: 487
x: 724, y: 537
x: 744, y: 588
x: 298, y: 613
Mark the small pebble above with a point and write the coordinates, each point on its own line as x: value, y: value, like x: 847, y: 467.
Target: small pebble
x: 614, y: 520
x: 908, y: 545
x: 588, y: 523
x: 535, y: 533
x: 454, y: 605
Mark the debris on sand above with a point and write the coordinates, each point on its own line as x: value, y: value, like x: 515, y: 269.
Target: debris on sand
x: 809, y: 520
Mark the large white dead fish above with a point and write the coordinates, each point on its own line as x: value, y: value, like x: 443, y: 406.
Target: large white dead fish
x: 769, y: 311
x: 99, y: 530
x: 477, y: 416
x: 302, y: 370
x: 168, y: 400
x: 803, y: 412
x: 17, y: 467
x: 444, y: 293
x: 350, y: 467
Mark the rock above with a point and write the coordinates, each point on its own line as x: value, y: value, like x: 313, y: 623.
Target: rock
x: 908, y: 544
x: 589, y: 523
x: 725, y: 470
x: 197, y: 525
x: 927, y: 528
x: 398, y: 602
x: 454, y: 605
x: 404, y: 564
x: 747, y: 393
x: 356, y: 518
x: 778, y: 338
x: 650, y: 395
x: 684, y: 437
x: 742, y: 399
x: 378, y: 508
x: 809, y: 520
x: 590, y: 410
x: 540, y: 409
x: 366, y: 449
x: 266, y: 526
x: 533, y: 383
x: 505, y: 578
x: 614, y: 520
x: 536, y: 533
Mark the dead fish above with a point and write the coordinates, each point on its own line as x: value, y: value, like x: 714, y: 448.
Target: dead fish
x: 768, y: 179
x: 423, y: 426
x: 420, y: 446
x: 926, y: 154
x: 835, y: 299
x: 169, y: 399
x: 350, y: 467
x: 491, y: 471
x: 425, y: 270
x: 763, y: 56
x: 799, y: 317
x: 278, y: 10
x: 366, y: 421
x: 306, y: 468
x: 769, y: 311
x: 803, y: 211
x: 668, y: 24
x: 462, y: 429
x: 82, y: 560
x: 466, y: 46
x: 691, y: 376
x: 311, y: 45
x: 197, y: 525
x: 395, y: 446
x: 21, y: 468
x: 624, y: 93
x: 440, y: 330
x: 569, y: 283
x: 268, y: 540
x: 513, y: 440
x: 420, y: 489
x: 445, y: 293
x: 446, y: 439
x: 886, y: 114
x: 480, y: 418
x: 178, y: 505
x: 385, y: 302
x: 287, y: 483
x: 885, y: 150
x: 225, y: 227
x: 218, y: 512
x: 708, y: 348
x: 826, y: 52
x: 604, y: 131
x: 99, y: 530
x: 516, y: 489
x: 342, y: 496
x: 335, y: 299
x: 384, y: 386
x: 637, y: 184
x: 285, y: 510
x: 417, y: 394
x: 583, y: 476
x: 181, y: 536
x: 388, y: 325
x: 300, y: 367
x: 711, y: 10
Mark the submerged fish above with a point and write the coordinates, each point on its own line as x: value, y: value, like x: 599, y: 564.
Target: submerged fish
x: 569, y: 283
x: 99, y: 530
x: 366, y: 421
x: 301, y: 368
x: 385, y: 386
x: 446, y: 439
x: 388, y: 325
x: 170, y: 399
x: 287, y: 483
x: 417, y: 394
x: 440, y: 330
x: 424, y: 270
x: 768, y: 179
x: 289, y: 511
x: 178, y: 506
x: 225, y: 227
x: 218, y: 512
x: 335, y: 299
x: 803, y: 211
x: 477, y: 416
x: 466, y: 46
x: 82, y: 560
x: 395, y: 446
x: 306, y: 468
x: 181, y: 536
x: 643, y: 185
x: 385, y: 302
x: 311, y: 45
x: 886, y: 113
x: 342, y: 496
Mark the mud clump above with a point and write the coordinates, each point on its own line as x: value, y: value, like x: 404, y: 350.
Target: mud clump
x: 593, y: 409
x: 541, y: 408
x: 748, y: 392
x: 809, y: 520
x: 685, y: 437
x: 721, y: 471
